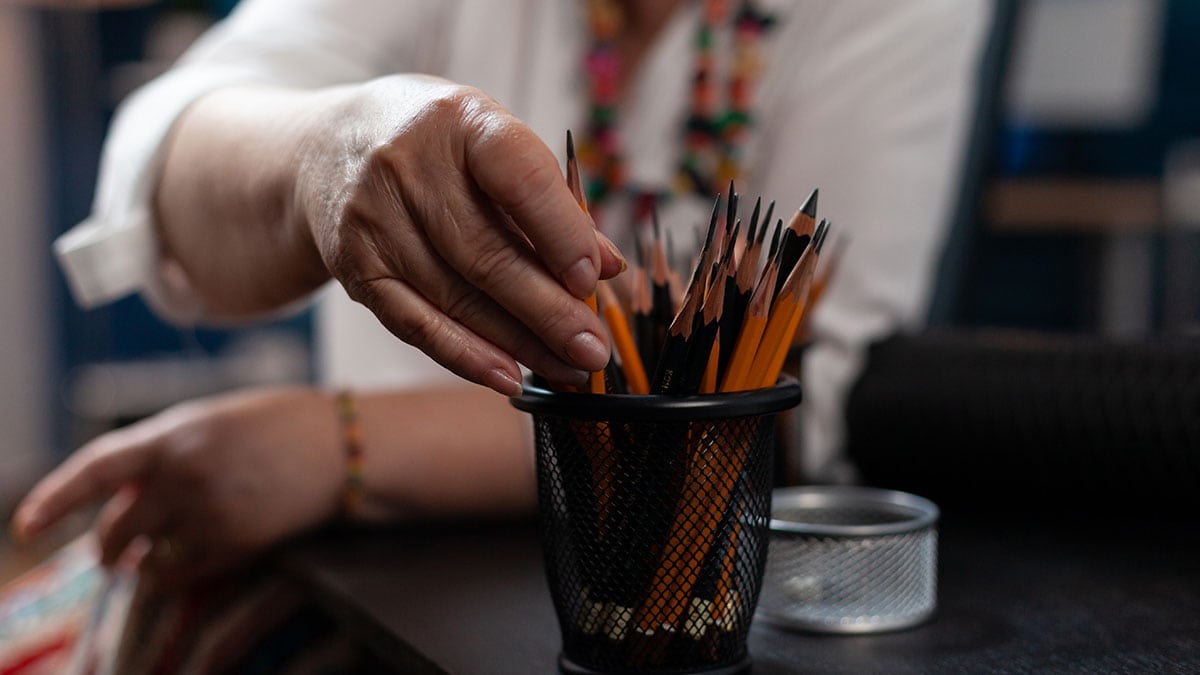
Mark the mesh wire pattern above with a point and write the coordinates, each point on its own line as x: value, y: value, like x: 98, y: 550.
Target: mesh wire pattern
x: 655, y: 532
x: 850, y: 560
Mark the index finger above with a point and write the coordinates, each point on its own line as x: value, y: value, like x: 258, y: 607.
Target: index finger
x: 520, y: 174
x: 96, y: 470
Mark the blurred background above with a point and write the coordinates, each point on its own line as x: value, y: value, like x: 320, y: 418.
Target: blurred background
x: 1080, y: 212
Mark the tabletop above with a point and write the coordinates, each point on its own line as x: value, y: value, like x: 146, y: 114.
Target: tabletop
x: 1079, y: 596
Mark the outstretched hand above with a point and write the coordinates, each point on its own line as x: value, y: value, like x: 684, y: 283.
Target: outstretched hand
x: 207, y: 484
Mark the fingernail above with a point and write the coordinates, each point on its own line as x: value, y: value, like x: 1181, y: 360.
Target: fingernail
x: 502, y: 382
x: 612, y: 248
x: 587, y: 351
x: 580, y: 278
x: 560, y: 376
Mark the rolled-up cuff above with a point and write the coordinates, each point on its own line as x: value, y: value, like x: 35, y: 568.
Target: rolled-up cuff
x: 104, y: 263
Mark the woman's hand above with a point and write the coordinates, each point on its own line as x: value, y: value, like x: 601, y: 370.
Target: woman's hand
x: 210, y: 483
x: 454, y: 225
x: 431, y: 204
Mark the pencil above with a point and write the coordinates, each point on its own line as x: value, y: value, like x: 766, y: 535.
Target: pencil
x: 662, y: 308
x: 641, y: 310
x: 796, y: 237
x: 738, y: 291
x: 631, y: 361
x: 785, y: 317
x: 669, y: 372
x: 596, y: 383
x: 751, y: 333
x: 705, y: 334
x: 780, y: 350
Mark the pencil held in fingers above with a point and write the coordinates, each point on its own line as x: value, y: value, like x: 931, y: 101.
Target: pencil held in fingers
x: 596, y: 381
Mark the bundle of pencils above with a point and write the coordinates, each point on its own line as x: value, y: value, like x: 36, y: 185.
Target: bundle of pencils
x: 739, y: 314
x: 663, y: 502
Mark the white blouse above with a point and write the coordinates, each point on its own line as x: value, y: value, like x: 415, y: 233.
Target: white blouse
x: 867, y: 100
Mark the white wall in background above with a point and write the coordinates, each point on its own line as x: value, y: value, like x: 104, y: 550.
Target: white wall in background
x: 25, y: 311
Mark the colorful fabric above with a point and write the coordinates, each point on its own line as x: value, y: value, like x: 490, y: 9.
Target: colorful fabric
x: 72, y: 616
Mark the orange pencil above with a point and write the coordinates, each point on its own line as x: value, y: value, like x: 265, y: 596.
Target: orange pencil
x: 595, y: 379
x: 739, y: 289
x: 785, y: 317
x: 631, y: 361
x: 796, y: 237
x: 751, y: 334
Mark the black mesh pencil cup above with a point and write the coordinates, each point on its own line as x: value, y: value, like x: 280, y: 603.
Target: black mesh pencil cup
x: 654, y: 516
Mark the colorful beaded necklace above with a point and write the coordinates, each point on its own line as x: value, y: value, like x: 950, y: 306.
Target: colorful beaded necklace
x: 713, y: 139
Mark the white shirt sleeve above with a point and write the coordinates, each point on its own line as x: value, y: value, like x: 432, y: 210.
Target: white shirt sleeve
x: 295, y: 43
x: 875, y: 114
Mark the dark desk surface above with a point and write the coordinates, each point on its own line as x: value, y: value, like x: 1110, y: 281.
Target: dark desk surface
x: 1079, y: 598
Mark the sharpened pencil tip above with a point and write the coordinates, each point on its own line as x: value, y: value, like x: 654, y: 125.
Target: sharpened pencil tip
x: 823, y: 231
x: 775, y: 239
x: 570, y: 145
x: 810, y: 205
x: 766, y: 221
x: 712, y: 224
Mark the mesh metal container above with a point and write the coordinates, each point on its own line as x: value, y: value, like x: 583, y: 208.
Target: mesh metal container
x: 654, y: 515
x: 850, y: 560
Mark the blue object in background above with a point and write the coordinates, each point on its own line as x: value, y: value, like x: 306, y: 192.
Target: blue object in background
x: 80, y: 52
x: 1048, y: 281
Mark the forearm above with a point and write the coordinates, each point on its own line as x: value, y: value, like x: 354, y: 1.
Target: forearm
x: 455, y: 452
x: 226, y: 204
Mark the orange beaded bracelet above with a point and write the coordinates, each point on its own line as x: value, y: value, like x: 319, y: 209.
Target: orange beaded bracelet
x: 352, y: 493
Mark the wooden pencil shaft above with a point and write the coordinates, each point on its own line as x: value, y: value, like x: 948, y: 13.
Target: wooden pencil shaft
x: 631, y: 361
x: 736, y: 304
x: 727, y: 265
x: 798, y: 235
x: 750, y: 335
x: 692, y: 533
x: 596, y: 380
x: 706, y: 249
x: 703, y: 338
x: 748, y: 265
x: 673, y: 359
x: 784, y: 318
x: 780, y: 351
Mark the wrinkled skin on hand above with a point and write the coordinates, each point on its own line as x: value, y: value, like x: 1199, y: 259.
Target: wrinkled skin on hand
x: 451, y: 221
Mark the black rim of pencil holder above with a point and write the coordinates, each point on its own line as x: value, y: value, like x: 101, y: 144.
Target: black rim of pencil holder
x: 654, y: 515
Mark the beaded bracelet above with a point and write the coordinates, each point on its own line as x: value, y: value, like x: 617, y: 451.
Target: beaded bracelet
x: 352, y: 492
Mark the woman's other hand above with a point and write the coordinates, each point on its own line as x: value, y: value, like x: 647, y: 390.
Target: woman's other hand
x: 208, y: 483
